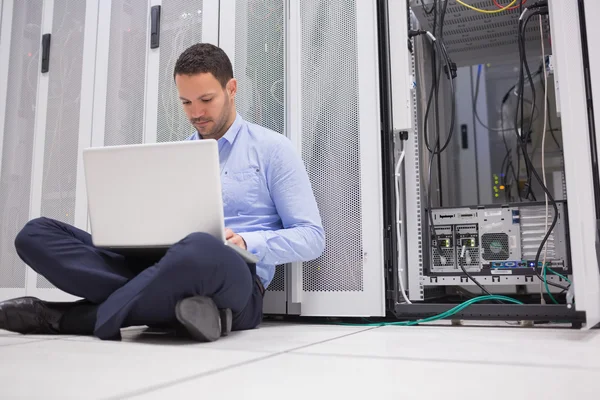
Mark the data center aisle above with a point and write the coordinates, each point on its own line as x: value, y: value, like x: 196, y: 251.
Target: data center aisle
x: 300, y: 361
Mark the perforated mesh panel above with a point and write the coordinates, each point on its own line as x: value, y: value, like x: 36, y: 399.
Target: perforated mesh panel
x: 468, y: 233
x: 472, y: 258
x: 278, y: 282
x: 443, y: 259
x: 15, y: 172
x: 331, y: 140
x: 495, y: 246
x: 126, y: 73
x: 259, y: 62
x: 259, y: 69
x: 62, y: 122
x: 472, y: 37
x: 446, y: 257
x: 180, y: 27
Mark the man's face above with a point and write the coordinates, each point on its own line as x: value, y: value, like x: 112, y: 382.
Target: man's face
x: 208, y: 106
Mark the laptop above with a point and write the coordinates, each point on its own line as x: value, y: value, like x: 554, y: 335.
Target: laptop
x: 145, y: 198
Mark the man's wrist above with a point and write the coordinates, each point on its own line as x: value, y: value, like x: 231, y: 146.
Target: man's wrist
x: 255, y: 243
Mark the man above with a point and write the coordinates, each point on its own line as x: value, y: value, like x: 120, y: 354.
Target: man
x: 199, y: 284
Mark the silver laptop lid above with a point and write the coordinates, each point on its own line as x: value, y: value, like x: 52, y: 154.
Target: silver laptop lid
x: 153, y: 195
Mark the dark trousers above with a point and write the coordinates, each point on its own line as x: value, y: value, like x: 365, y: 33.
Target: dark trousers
x: 137, y: 290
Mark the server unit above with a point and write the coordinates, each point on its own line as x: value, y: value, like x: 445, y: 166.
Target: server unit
x: 498, y: 240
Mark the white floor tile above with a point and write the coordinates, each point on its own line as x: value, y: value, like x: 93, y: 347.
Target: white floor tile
x: 298, y: 376
x: 308, y: 361
x: 66, y: 369
x: 502, y: 346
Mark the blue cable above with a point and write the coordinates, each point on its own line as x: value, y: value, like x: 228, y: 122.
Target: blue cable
x: 446, y: 314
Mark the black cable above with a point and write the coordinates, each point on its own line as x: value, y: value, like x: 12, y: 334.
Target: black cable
x: 505, y: 182
x: 504, y: 100
x: 510, y: 166
x: 473, y: 278
x: 451, y: 75
x: 436, y: 73
x: 428, y: 108
x: 442, y: 18
x: 439, y: 156
x: 521, y: 89
x: 435, y: 76
x: 508, y: 185
x: 505, y: 162
x: 436, y: 113
x: 527, y: 132
x: 522, y: 28
x: 552, y: 130
x: 518, y: 154
x: 523, y: 137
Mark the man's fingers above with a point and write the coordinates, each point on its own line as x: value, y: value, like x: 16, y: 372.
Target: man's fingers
x: 238, y: 241
x: 234, y: 238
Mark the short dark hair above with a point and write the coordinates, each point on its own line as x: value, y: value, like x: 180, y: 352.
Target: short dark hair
x: 202, y: 58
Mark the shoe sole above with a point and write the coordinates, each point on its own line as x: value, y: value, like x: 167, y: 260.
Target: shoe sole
x: 201, y: 318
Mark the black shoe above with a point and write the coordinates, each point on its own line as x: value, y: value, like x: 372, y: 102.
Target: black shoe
x: 29, y: 315
x: 202, y: 319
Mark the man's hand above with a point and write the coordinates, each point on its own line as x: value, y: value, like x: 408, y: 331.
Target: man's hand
x: 234, y: 238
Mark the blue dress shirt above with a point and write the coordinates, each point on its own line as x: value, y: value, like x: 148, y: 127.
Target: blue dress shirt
x: 267, y: 197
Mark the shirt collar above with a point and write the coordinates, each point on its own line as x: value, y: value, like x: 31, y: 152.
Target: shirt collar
x: 231, y: 133
x: 233, y: 130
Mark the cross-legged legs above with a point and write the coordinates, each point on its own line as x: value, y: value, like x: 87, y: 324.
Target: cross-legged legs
x: 132, y: 292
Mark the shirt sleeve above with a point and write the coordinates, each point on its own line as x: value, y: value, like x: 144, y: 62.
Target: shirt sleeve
x: 302, y: 237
